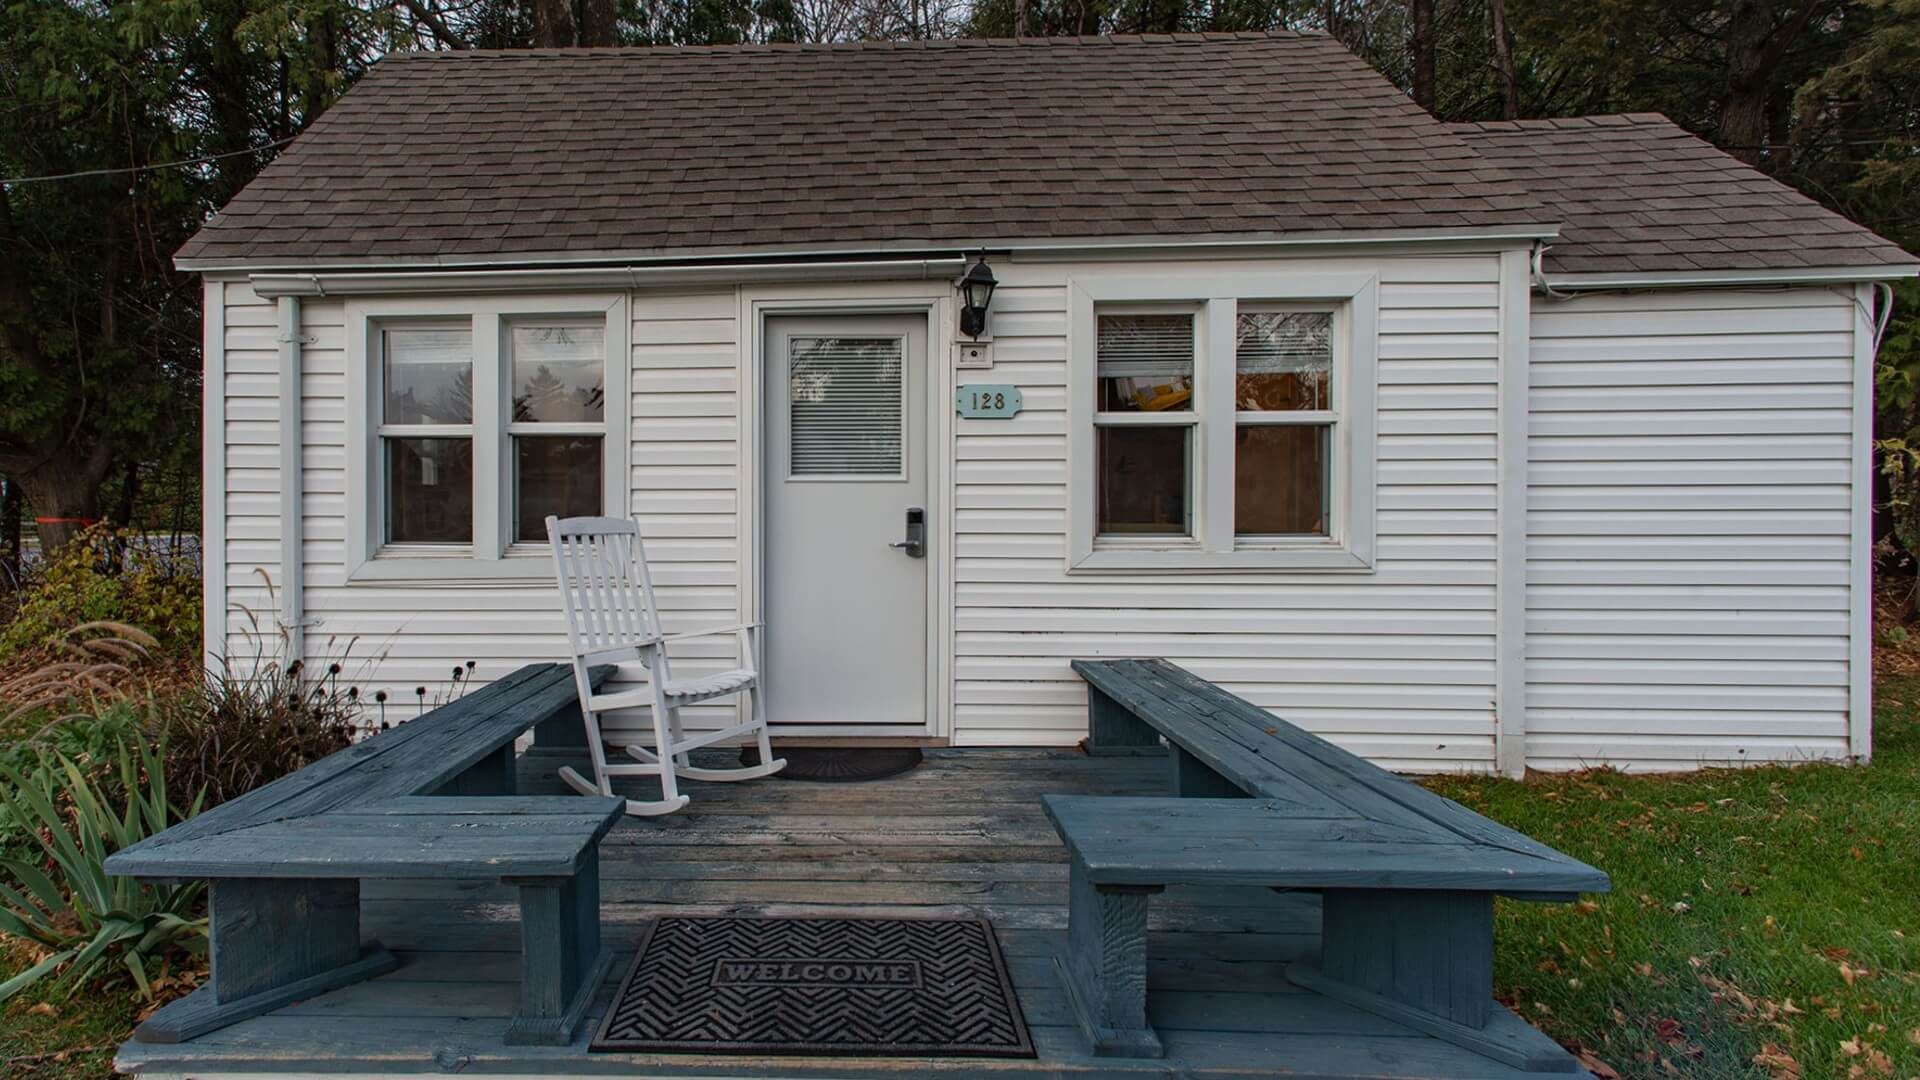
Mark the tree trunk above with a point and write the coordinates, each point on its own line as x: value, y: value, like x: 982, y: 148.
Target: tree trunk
x: 1423, y: 65
x: 597, y: 23
x: 553, y: 24
x: 64, y: 491
x: 1019, y: 18
x: 1503, y: 59
x: 10, y: 529
x: 1755, y: 47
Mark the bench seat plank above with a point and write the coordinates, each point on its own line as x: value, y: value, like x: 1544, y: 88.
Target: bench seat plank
x: 1161, y: 841
x: 408, y: 759
x: 407, y: 841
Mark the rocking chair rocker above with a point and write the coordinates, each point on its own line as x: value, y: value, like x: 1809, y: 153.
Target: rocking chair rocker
x: 612, y: 617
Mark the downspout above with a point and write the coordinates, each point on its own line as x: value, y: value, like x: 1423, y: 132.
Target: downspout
x: 292, y: 573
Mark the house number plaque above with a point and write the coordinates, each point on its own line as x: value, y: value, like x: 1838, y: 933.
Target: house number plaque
x: 988, y: 401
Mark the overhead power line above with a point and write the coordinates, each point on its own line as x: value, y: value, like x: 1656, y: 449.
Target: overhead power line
x: 148, y: 168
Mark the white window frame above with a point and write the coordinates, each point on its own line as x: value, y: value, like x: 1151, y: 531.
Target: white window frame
x: 1352, y: 297
x: 492, y: 556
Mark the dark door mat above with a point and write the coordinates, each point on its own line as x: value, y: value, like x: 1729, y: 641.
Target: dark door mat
x: 839, y: 764
x: 913, y: 987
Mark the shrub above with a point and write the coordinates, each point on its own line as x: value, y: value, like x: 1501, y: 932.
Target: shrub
x: 107, y: 576
x: 62, y: 899
x: 243, y: 730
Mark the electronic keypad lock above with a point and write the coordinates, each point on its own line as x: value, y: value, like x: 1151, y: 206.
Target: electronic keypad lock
x: 915, y: 545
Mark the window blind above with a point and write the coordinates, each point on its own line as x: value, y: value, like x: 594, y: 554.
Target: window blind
x: 844, y: 406
x: 1275, y: 343
x: 1145, y: 346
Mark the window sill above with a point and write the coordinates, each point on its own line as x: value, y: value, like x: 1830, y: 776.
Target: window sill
x: 528, y: 568
x: 1321, y: 557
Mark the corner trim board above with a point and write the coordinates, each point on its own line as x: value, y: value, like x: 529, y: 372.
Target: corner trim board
x: 1860, y: 570
x: 213, y: 474
x: 1510, y: 519
x: 292, y: 482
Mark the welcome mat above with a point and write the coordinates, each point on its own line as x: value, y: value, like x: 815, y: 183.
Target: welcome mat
x: 722, y: 985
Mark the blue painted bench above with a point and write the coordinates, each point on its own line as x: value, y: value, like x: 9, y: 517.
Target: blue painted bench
x: 430, y: 798
x: 1407, y: 878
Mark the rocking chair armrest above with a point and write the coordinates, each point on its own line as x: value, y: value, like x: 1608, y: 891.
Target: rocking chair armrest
x: 715, y: 632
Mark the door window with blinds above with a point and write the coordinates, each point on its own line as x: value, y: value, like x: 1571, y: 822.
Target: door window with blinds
x: 485, y: 418
x: 1216, y: 426
x: 846, y: 403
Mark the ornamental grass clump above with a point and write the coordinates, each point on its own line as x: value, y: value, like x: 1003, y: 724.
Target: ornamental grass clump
x: 55, y: 893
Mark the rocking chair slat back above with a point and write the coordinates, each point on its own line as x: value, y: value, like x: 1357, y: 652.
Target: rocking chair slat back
x: 605, y: 589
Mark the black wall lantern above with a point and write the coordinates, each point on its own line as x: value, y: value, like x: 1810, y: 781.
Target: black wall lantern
x: 976, y: 291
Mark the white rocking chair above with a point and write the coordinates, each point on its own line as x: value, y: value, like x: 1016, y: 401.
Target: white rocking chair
x: 607, y: 594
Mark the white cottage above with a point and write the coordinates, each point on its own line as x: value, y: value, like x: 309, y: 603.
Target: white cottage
x: 1485, y: 447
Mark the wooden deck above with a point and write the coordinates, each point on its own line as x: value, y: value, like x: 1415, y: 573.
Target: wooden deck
x: 964, y: 833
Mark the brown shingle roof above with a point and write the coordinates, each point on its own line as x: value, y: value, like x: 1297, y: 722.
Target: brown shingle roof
x: 1637, y: 193
x: 936, y: 144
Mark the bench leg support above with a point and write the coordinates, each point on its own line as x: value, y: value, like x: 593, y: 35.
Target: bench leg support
x: 1113, y: 730
x: 1192, y: 779
x: 494, y: 774
x: 1423, y: 958
x: 1105, y: 966
x: 562, y: 962
x: 272, y: 942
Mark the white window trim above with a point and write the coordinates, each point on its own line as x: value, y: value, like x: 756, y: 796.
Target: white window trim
x: 1349, y: 545
x: 490, y: 558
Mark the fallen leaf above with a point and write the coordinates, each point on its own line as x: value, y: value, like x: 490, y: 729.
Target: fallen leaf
x: 1669, y: 1030
x: 1779, y: 1064
x: 1586, y: 907
x: 1851, y: 1047
x: 43, y: 1009
x: 1682, y: 907
x: 1595, y: 1066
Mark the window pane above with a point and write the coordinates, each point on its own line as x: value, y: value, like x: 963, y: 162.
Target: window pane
x: 1285, y: 361
x: 429, y: 491
x: 558, y: 475
x: 429, y: 376
x: 1280, y: 479
x: 559, y: 374
x: 1143, y: 480
x: 844, y: 399
x: 1145, y: 363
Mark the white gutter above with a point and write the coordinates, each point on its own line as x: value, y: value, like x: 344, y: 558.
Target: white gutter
x: 292, y: 572
x: 1676, y: 279
x: 721, y: 261
x: 441, y: 279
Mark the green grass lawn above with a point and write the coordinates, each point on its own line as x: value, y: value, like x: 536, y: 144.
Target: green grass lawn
x: 1765, y: 923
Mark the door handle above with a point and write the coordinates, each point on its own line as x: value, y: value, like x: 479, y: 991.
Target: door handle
x: 915, y: 545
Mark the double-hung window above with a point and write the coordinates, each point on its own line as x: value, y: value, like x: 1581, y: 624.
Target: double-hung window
x: 1222, y: 421
x: 482, y: 417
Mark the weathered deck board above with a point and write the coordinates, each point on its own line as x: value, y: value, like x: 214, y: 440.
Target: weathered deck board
x: 962, y: 834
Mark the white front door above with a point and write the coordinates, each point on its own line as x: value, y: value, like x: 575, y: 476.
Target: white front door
x: 845, y: 600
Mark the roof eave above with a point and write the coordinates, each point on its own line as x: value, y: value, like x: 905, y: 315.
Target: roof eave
x: 1483, y: 237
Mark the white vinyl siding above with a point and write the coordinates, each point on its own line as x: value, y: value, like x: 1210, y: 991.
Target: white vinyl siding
x: 251, y: 458
x: 1396, y: 663
x: 1689, y: 511
x: 1687, y: 530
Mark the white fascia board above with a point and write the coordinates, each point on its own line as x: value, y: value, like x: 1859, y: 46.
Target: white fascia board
x: 724, y: 261
x: 1682, y: 279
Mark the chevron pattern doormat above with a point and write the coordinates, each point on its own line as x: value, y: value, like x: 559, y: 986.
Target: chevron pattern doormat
x: 720, y: 985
